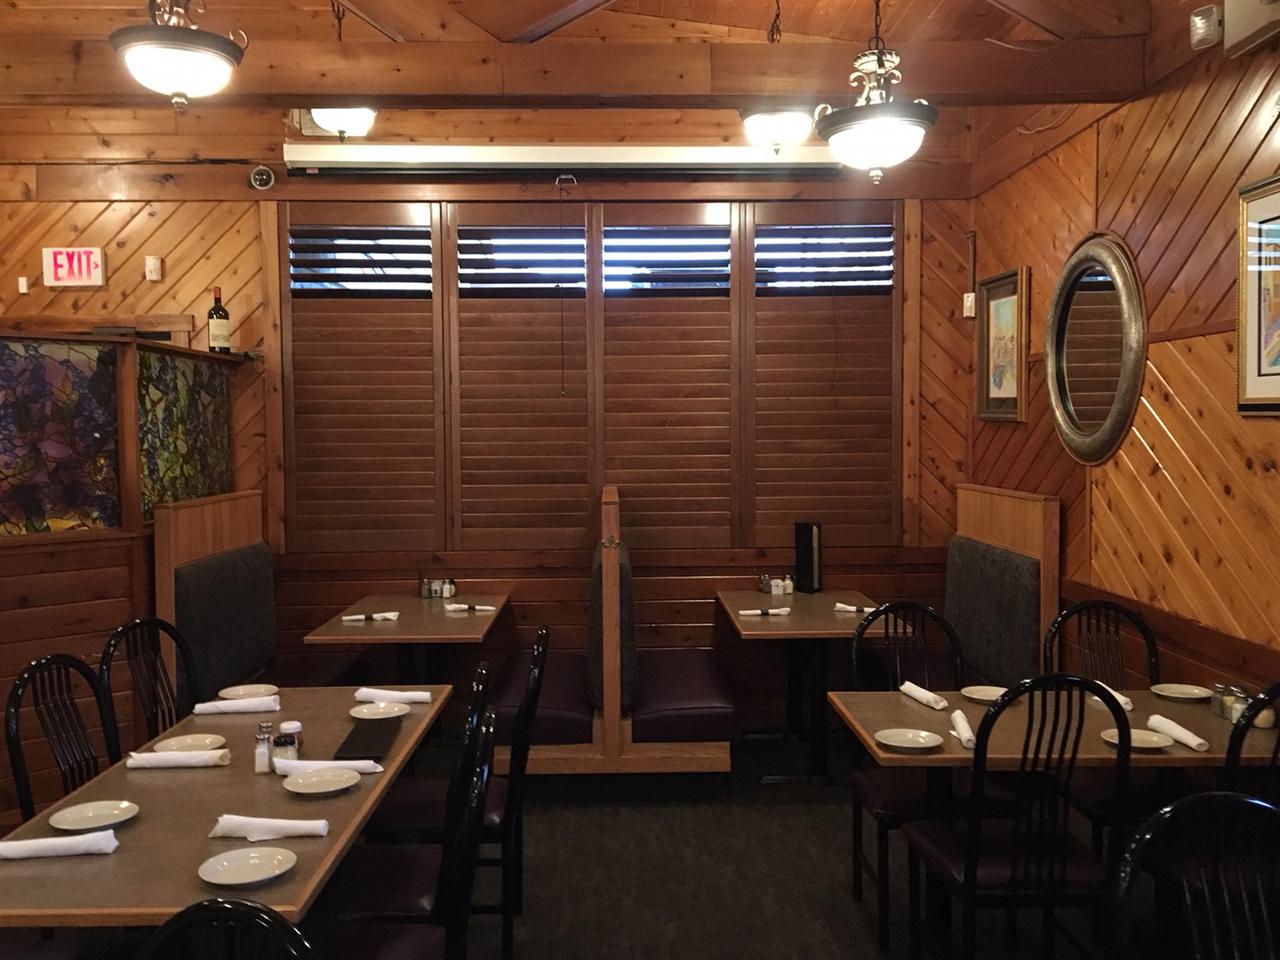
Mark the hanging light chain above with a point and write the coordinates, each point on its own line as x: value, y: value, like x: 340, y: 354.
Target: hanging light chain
x: 775, y: 29
x: 339, y: 13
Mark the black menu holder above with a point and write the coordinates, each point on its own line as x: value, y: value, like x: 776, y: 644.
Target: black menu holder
x: 369, y: 740
x: 808, y: 557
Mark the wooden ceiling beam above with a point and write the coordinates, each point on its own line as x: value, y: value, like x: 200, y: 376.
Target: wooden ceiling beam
x: 53, y: 70
x: 1075, y: 19
x: 416, y: 20
x: 527, y: 21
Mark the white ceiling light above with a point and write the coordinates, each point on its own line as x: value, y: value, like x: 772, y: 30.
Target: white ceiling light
x: 777, y: 128
x: 878, y: 131
x: 344, y: 121
x: 172, y: 56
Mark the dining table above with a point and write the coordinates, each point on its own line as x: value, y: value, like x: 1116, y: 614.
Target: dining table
x: 422, y: 624
x: 813, y: 621
x: 152, y: 875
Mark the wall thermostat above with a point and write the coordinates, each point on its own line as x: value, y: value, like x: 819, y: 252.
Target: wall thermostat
x: 262, y: 178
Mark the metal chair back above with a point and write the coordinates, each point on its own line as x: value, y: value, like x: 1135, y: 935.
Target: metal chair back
x: 1096, y: 627
x: 912, y: 641
x: 141, y: 641
x: 218, y: 929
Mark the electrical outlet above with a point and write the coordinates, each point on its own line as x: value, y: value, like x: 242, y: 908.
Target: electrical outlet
x: 23, y: 285
x: 970, y: 305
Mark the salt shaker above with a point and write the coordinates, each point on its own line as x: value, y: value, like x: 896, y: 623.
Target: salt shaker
x: 788, y: 585
x: 262, y: 753
x: 424, y: 588
x: 1217, y: 706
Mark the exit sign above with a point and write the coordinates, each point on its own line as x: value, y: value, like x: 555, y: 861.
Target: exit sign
x: 73, y: 267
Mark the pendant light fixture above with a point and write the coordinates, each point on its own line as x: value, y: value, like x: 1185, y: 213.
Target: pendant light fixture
x: 877, y: 131
x: 777, y: 127
x: 172, y: 56
x: 344, y: 121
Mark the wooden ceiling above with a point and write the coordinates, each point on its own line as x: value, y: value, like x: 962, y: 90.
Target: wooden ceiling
x: 629, y: 53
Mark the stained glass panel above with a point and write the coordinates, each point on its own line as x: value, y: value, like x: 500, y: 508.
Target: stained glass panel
x: 184, y: 428
x: 58, y: 461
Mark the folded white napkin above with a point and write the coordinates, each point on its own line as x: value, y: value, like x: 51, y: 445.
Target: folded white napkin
x: 179, y: 758
x: 365, y: 617
x: 1177, y: 731
x: 850, y: 608
x: 378, y: 695
x: 287, y: 768
x: 775, y: 612
x: 99, y: 841
x: 464, y: 607
x: 961, y: 730
x: 1124, y: 701
x: 924, y: 696
x: 248, y: 705
x: 254, y: 829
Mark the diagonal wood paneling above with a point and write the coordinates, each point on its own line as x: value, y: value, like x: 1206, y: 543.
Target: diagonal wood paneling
x: 1184, y: 514
x: 946, y: 366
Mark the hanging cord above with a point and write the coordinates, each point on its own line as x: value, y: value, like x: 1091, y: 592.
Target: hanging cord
x: 562, y: 185
x: 339, y: 12
x: 775, y: 29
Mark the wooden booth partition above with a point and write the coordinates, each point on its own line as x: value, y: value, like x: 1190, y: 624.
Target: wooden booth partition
x: 192, y: 529
x: 612, y: 749
x: 1026, y: 523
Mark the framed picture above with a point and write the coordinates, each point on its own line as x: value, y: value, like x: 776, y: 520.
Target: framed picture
x: 1258, y: 338
x: 1002, y: 346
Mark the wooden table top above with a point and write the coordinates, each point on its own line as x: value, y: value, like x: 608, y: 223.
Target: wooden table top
x: 421, y: 621
x: 152, y: 875
x: 866, y: 712
x: 813, y: 615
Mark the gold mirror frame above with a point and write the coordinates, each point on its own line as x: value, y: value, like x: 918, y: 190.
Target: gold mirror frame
x: 1107, y: 253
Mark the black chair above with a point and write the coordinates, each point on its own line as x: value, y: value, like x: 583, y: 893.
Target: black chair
x: 418, y: 883
x: 1027, y: 859
x: 1217, y: 852
x: 219, y: 929
x: 908, y: 641
x: 51, y: 681
x: 1096, y: 627
x: 161, y: 706
x: 413, y: 809
x: 1260, y: 781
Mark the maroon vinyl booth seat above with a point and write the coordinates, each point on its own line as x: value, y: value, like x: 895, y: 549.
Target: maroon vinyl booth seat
x: 671, y: 695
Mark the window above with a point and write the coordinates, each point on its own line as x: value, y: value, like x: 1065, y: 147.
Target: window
x: 659, y: 261
x: 349, y: 262
x: 849, y: 259
x: 522, y: 261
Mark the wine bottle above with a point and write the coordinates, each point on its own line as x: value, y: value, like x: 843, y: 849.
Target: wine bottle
x: 219, y: 325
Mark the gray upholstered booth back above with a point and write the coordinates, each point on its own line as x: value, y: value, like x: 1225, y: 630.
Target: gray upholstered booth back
x: 627, y: 630
x: 993, y: 601
x: 225, y: 608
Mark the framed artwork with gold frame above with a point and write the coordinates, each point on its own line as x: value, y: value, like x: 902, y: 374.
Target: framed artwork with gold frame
x: 1258, y: 336
x: 1003, y: 320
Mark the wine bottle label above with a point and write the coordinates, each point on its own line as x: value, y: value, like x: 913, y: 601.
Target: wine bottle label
x: 218, y: 335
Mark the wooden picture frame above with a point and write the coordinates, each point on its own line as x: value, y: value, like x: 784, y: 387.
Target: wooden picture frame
x: 1001, y: 337
x: 1258, y: 330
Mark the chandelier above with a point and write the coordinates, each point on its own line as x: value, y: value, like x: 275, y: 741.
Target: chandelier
x: 779, y: 127
x: 877, y: 131
x: 172, y: 56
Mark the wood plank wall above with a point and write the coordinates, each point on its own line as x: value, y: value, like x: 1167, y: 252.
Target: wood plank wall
x: 1181, y: 520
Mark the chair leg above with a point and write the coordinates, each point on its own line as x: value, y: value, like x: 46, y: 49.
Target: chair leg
x: 517, y: 865
x: 913, y: 904
x: 882, y: 883
x: 1011, y: 927
x: 1097, y: 838
x: 1046, y: 945
x: 510, y: 896
x: 857, y: 847
x: 968, y: 929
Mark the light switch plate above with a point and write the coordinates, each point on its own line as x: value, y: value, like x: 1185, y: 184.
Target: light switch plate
x: 23, y: 285
x: 970, y: 305
x: 155, y: 269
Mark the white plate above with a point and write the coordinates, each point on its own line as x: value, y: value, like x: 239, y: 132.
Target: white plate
x: 238, y: 868
x: 95, y: 815
x: 1139, y: 739
x: 909, y: 741
x: 192, y: 741
x: 983, y: 694
x: 330, y: 780
x: 379, y: 711
x: 247, y: 690
x: 1181, y: 691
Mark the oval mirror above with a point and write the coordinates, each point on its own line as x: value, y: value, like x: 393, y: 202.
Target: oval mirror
x: 1095, y: 350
